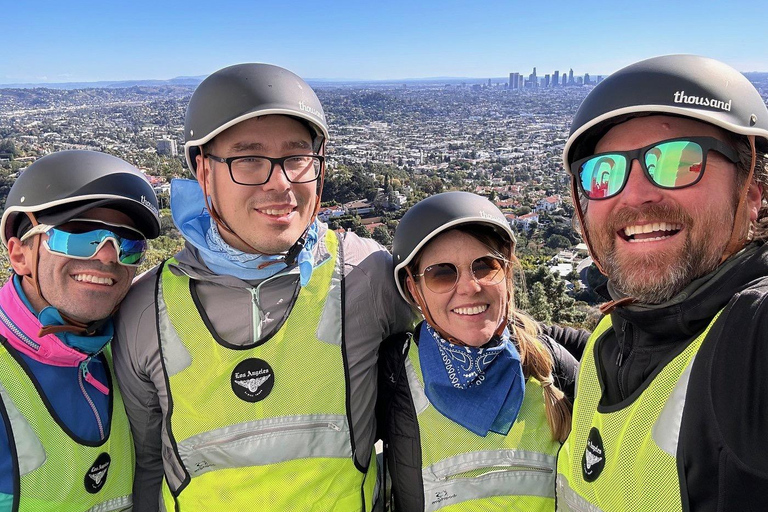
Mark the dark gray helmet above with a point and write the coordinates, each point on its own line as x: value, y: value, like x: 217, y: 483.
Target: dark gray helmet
x: 683, y: 85
x: 437, y: 214
x: 61, y: 186
x: 236, y: 93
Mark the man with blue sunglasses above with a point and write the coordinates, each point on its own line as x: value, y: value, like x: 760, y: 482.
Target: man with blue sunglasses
x: 670, y: 178
x: 75, y: 225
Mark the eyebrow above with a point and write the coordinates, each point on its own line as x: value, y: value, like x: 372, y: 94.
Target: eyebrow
x: 258, y: 146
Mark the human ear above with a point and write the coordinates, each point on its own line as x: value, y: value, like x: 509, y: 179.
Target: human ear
x: 20, y: 257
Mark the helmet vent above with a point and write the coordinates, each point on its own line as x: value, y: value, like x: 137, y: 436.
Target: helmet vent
x: 23, y: 198
x: 752, y: 120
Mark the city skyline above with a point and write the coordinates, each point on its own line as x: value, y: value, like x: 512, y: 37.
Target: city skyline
x: 88, y: 41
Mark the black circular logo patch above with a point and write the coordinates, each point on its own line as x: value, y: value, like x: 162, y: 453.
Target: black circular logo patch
x: 593, y: 461
x: 252, y: 380
x: 96, y: 476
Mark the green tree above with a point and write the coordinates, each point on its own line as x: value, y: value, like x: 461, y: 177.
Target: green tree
x: 558, y: 242
x: 539, y: 308
x: 381, y: 234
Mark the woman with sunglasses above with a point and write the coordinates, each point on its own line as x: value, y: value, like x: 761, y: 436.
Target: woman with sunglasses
x: 474, y: 411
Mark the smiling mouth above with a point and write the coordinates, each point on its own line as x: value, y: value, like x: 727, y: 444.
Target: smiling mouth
x: 276, y: 212
x: 88, y: 278
x: 650, y: 232
x: 476, y: 310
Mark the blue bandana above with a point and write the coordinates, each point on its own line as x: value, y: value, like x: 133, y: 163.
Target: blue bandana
x: 191, y: 217
x: 481, y: 389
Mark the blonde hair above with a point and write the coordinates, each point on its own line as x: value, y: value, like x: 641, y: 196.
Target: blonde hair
x: 534, y: 355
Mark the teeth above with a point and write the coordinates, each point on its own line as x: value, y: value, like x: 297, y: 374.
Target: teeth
x: 94, y: 279
x: 276, y: 212
x: 650, y: 228
x: 470, y: 311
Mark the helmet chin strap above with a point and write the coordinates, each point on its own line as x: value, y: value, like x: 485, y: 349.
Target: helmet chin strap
x: 70, y: 324
x: 295, y: 249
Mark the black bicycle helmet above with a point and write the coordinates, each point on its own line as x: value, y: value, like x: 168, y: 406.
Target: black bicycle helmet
x: 236, y: 93
x: 437, y: 214
x: 683, y: 85
x: 62, y: 185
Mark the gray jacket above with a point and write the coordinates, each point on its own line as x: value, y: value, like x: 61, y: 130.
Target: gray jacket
x: 373, y: 311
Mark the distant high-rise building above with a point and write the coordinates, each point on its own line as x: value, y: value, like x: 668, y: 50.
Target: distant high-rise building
x: 570, y: 77
x: 167, y: 147
x: 511, y: 81
x: 546, y: 80
x: 565, y: 78
x: 489, y: 82
x: 556, y: 79
x: 533, y: 80
x: 586, y: 79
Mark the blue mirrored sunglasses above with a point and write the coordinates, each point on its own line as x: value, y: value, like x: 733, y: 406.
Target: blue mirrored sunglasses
x: 81, y: 239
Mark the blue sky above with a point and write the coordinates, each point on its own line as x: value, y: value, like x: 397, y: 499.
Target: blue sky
x: 60, y: 41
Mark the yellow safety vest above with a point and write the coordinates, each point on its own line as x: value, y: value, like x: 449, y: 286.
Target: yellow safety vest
x: 464, y: 472
x: 625, y: 459
x: 263, y: 427
x: 57, y: 473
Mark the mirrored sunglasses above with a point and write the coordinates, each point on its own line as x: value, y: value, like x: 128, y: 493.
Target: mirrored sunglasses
x: 82, y: 239
x: 669, y: 164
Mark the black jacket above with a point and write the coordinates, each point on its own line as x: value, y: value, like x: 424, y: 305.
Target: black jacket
x: 397, y: 414
x: 723, y: 448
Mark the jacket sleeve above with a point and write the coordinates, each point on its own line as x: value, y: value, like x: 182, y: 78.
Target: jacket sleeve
x: 137, y: 359
x: 574, y: 340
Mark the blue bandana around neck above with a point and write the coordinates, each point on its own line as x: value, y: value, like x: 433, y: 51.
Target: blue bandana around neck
x: 50, y: 316
x: 481, y: 389
x: 191, y: 217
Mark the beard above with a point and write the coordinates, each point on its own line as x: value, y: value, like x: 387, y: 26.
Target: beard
x: 658, y: 275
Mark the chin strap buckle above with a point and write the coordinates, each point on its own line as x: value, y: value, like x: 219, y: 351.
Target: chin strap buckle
x: 293, y: 252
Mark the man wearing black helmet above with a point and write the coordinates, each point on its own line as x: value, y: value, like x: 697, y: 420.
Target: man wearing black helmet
x: 249, y: 359
x: 75, y: 225
x: 668, y: 164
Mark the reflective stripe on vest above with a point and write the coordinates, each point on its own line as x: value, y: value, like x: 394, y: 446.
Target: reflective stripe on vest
x: 635, y: 464
x: 462, y: 471
x: 266, y: 426
x: 56, y: 472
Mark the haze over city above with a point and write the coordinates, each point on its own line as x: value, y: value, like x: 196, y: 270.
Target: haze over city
x: 55, y: 42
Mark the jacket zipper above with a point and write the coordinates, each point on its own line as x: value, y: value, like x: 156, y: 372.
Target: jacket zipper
x: 270, y: 430
x: 255, y: 314
x: 18, y: 332
x: 84, y: 374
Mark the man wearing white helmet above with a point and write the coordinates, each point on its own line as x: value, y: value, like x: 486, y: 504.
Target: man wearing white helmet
x: 249, y: 359
x: 75, y: 225
x: 668, y: 164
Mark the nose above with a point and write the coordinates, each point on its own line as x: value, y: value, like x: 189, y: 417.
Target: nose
x: 639, y: 189
x: 107, y: 253
x: 467, y: 285
x: 278, y: 180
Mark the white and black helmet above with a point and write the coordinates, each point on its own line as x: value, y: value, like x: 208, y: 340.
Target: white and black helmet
x: 62, y: 185
x: 436, y: 214
x: 243, y: 91
x: 683, y: 85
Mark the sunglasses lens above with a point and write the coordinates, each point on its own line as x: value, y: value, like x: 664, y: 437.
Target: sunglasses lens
x: 488, y: 270
x: 603, y: 176
x: 86, y: 244
x: 675, y: 164
x: 441, y: 278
